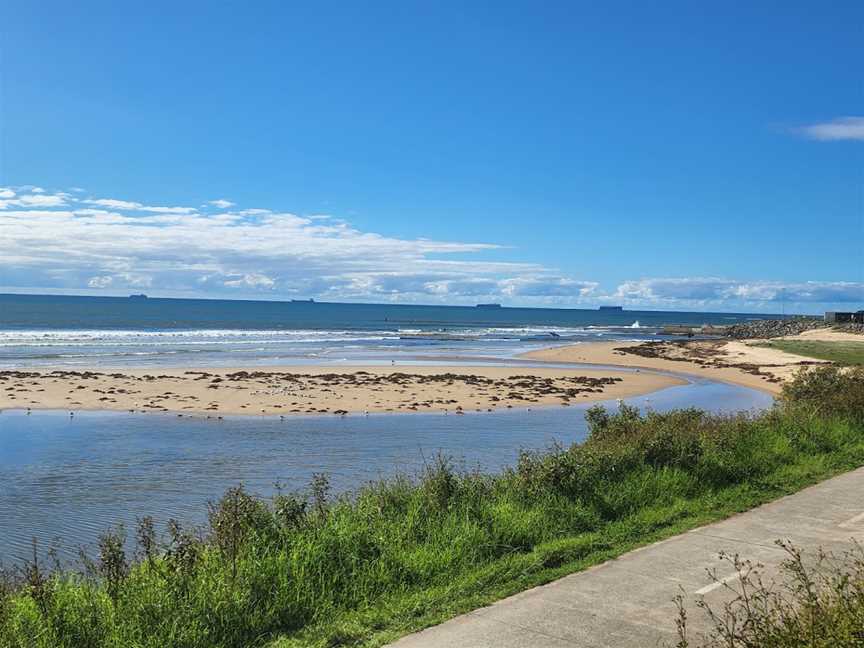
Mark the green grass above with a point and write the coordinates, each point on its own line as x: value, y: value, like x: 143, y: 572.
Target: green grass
x: 310, y: 570
x: 843, y: 353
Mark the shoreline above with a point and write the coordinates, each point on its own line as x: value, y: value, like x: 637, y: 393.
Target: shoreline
x: 610, y: 370
x: 320, y: 390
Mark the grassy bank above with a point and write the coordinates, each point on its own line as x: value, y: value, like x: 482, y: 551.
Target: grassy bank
x: 310, y: 570
x: 843, y: 353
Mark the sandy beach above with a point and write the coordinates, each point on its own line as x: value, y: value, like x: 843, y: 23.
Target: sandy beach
x: 451, y: 388
x: 731, y: 361
x: 413, y: 388
x: 308, y: 390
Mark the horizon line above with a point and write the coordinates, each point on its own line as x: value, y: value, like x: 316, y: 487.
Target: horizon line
x: 315, y: 301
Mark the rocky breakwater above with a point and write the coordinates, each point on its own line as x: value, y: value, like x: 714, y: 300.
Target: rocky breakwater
x: 763, y: 329
x: 850, y: 328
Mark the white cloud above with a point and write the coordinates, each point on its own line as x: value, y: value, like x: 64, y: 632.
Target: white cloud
x: 703, y: 291
x: 548, y: 286
x: 459, y: 287
x: 842, y: 128
x: 38, y: 199
x: 100, y: 282
x: 121, y: 280
x: 253, y: 280
x: 221, y: 203
x: 113, y: 203
x: 61, y: 242
x: 540, y: 285
x: 111, y: 243
x: 6, y: 193
x: 137, y: 280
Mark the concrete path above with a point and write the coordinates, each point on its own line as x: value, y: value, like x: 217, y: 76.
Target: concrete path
x: 628, y: 602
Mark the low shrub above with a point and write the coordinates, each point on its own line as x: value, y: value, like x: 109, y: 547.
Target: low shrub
x: 828, y: 390
x: 814, y: 604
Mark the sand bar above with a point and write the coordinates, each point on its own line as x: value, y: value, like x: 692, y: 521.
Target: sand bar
x: 740, y: 363
x: 304, y: 390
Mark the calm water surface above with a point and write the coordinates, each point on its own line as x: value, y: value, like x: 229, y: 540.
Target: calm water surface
x: 73, y: 478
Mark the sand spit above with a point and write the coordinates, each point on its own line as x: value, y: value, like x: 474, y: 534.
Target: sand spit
x: 740, y: 363
x: 319, y: 390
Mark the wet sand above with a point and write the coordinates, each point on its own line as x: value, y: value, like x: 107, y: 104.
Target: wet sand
x: 308, y: 390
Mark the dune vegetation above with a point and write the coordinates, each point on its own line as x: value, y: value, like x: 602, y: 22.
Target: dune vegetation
x: 311, y: 569
x: 820, y: 605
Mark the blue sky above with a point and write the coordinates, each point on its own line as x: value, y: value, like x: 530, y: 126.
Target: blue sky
x: 665, y: 156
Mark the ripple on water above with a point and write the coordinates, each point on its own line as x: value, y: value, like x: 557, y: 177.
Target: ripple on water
x: 73, y: 478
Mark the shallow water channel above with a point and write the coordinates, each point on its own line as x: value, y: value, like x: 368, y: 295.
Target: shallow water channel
x: 71, y: 478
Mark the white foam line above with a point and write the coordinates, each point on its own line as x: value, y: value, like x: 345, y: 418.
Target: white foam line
x: 852, y: 522
x: 723, y: 581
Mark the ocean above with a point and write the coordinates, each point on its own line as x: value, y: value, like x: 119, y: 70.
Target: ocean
x: 42, y: 330
x: 73, y: 477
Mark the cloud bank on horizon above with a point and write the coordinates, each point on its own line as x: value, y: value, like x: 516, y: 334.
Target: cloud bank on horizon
x: 66, y: 241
